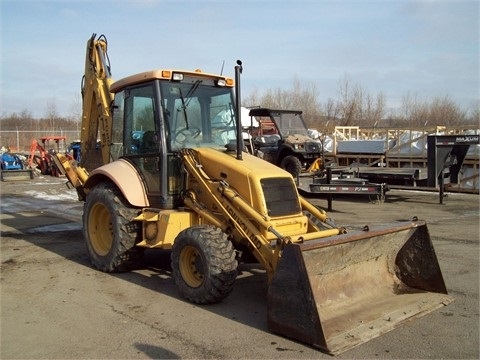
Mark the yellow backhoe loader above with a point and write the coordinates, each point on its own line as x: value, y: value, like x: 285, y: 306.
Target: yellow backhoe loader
x: 171, y: 173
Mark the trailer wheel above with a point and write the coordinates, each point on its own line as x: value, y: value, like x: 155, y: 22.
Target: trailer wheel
x: 109, y: 232
x: 203, y: 264
x: 291, y: 164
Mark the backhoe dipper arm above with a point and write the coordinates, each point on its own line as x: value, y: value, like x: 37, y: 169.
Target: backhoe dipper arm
x: 97, y: 100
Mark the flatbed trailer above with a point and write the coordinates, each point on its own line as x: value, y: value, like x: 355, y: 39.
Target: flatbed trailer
x: 312, y: 186
x: 394, y: 176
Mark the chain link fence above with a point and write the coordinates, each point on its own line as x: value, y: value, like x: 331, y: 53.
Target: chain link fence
x: 19, y: 141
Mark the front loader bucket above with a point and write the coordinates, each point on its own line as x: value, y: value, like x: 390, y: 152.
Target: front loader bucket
x: 339, y: 292
x: 11, y: 175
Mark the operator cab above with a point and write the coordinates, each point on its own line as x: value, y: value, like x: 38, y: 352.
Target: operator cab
x: 157, y: 113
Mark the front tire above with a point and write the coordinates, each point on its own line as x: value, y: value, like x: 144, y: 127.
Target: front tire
x: 292, y: 164
x: 203, y: 264
x: 109, y: 231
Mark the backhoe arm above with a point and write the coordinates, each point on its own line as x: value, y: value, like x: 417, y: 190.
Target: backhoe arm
x: 97, y: 100
x: 96, y: 116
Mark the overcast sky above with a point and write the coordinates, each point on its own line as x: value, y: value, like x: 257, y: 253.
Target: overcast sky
x: 423, y: 48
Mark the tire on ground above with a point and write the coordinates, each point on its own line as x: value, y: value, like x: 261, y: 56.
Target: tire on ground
x: 108, y: 230
x: 291, y: 164
x: 204, y: 266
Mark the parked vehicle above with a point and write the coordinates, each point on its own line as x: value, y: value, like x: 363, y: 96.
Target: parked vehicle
x: 13, y: 167
x: 282, y: 138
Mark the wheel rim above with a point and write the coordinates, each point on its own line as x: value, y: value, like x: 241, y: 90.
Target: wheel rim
x: 100, y: 231
x: 191, y: 266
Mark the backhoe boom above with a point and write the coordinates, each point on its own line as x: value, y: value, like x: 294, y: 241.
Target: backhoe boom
x: 97, y: 102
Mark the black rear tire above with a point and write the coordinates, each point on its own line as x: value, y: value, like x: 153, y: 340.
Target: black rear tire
x: 109, y: 231
x: 204, y: 266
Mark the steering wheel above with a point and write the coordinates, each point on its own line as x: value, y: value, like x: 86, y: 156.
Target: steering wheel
x: 184, y: 134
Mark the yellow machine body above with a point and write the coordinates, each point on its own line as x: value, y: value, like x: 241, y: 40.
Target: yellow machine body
x: 328, y: 288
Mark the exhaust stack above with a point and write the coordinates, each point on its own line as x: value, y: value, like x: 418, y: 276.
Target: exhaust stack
x: 238, y: 105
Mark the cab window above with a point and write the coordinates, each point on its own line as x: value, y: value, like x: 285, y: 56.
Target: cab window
x: 141, y: 136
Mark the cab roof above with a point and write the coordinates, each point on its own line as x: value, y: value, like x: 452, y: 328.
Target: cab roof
x: 164, y: 74
x: 267, y: 112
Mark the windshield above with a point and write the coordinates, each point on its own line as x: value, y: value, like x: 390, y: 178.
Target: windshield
x: 290, y: 124
x: 198, y: 114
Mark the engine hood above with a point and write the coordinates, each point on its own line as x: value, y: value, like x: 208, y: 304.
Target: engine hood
x: 245, y: 175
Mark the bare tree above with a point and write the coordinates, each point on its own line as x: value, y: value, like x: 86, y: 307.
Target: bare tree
x: 51, y: 113
x: 444, y: 111
x: 75, y: 109
x: 331, y: 111
x: 303, y: 96
x: 439, y: 111
x: 347, y: 105
x: 414, y: 111
x: 253, y: 98
x: 374, y: 109
x: 474, y: 113
x: 355, y: 105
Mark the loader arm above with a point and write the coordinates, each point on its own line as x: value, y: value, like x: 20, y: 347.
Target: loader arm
x: 327, y: 288
x: 242, y: 221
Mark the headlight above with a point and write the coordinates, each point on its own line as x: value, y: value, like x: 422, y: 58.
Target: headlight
x: 177, y: 77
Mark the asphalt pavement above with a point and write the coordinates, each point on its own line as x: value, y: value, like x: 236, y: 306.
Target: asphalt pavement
x: 55, y: 305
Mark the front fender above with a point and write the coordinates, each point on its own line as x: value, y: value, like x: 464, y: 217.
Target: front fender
x: 284, y: 151
x: 125, y: 176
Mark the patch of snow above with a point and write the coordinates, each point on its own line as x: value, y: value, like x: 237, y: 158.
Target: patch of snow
x: 70, y: 195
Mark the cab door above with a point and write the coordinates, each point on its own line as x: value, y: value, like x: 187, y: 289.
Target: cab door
x: 142, y: 139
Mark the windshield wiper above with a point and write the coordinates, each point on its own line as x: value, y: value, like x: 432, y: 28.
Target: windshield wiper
x: 184, y: 108
x: 189, y: 96
x: 192, y: 91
